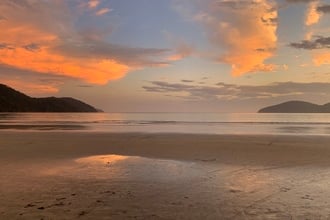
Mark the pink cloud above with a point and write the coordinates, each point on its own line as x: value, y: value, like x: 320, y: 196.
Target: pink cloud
x: 103, y: 11
x: 93, y: 3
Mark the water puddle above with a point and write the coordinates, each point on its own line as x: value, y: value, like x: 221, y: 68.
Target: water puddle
x: 118, y: 167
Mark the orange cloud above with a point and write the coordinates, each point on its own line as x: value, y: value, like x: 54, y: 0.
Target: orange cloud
x: 245, y: 30
x: 29, y: 47
x: 40, y: 36
x: 312, y: 14
x: 43, y: 60
x: 98, y: 71
x: 321, y: 58
x: 248, y: 62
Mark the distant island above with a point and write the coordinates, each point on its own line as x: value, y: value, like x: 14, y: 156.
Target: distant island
x: 296, y: 107
x: 15, y: 101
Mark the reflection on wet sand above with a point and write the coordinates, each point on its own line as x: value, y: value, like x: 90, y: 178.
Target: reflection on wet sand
x: 124, y: 187
x: 118, y: 167
x: 104, y: 159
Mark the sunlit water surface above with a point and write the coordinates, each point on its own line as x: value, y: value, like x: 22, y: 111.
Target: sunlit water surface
x: 208, y: 123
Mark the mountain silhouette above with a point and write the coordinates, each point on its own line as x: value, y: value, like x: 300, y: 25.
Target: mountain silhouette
x: 15, y: 101
x: 296, y: 107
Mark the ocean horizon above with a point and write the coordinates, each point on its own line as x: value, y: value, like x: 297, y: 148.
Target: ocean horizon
x: 192, y: 123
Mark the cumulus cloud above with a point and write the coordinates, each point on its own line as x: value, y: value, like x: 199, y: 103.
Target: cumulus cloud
x: 224, y: 91
x: 243, y: 31
x: 41, y: 36
x: 312, y: 15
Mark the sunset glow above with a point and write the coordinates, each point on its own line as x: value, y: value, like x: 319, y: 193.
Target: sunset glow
x: 114, y: 50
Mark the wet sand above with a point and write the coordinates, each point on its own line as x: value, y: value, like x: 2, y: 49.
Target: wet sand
x: 52, y: 175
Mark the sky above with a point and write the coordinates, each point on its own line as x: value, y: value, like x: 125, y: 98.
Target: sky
x: 168, y: 55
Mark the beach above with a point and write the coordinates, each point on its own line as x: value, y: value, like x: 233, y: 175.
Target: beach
x: 165, y: 110
x: 98, y: 175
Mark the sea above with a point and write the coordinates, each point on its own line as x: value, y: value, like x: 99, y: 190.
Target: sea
x: 192, y: 123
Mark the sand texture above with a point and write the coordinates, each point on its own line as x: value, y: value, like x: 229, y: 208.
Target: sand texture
x: 49, y: 175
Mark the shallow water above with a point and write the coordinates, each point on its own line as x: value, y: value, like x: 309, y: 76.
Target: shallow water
x: 207, y: 123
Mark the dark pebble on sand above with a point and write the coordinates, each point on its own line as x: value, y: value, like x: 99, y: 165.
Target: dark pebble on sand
x: 29, y: 205
x: 82, y: 213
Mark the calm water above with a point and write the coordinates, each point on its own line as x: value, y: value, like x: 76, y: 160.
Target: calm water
x: 212, y: 123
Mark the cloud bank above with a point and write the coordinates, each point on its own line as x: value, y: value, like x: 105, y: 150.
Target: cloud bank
x: 224, y: 91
